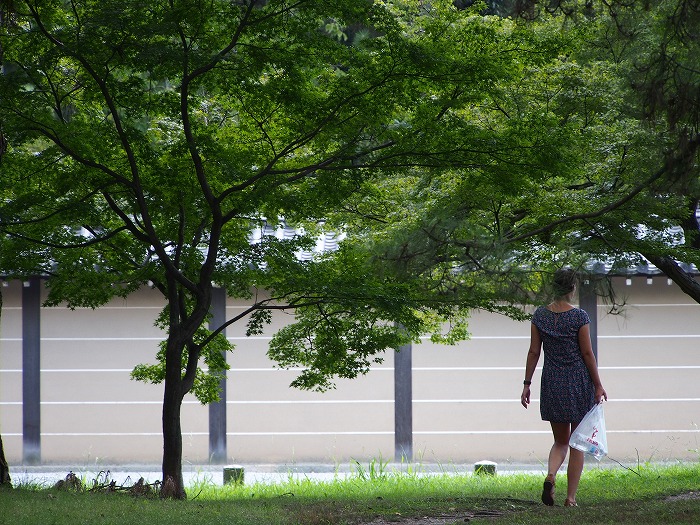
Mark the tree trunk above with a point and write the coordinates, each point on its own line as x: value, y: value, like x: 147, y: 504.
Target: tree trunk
x: 4, y: 469
x: 180, y: 331
x: 173, y: 484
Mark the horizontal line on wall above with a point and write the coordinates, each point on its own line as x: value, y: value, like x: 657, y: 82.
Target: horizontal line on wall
x: 244, y: 307
x: 275, y: 402
x: 79, y: 339
x: 372, y: 369
x: 348, y: 433
x: 107, y: 434
x: 117, y: 403
x: 487, y: 432
x: 650, y: 367
x: 87, y: 308
x: 72, y: 370
x: 508, y: 368
x: 98, y: 339
x: 634, y: 336
x: 652, y: 305
x: 65, y: 309
x: 347, y: 401
x: 650, y: 336
x: 268, y: 338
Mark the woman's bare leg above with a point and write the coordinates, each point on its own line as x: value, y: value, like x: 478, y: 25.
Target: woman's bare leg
x: 557, y: 455
x: 573, y: 473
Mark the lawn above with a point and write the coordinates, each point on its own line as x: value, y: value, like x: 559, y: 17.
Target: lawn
x: 651, y: 495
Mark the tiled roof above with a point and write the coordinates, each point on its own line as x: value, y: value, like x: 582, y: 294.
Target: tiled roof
x: 325, y: 242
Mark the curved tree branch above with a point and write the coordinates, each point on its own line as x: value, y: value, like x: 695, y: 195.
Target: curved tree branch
x: 592, y: 215
x: 41, y: 242
x: 674, y: 271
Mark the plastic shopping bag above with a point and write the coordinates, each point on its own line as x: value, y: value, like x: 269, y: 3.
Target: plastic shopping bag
x: 589, y: 435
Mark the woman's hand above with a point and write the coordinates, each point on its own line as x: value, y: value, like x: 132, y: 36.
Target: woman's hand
x: 600, y: 394
x: 525, y: 397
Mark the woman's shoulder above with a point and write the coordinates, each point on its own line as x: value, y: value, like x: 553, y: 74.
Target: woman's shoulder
x: 539, y: 312
x: 582, y: 315
x: 578, y: 314
x: 543, y: 316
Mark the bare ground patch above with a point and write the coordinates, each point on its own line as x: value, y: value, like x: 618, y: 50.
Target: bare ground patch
x: 684, y: 496
x: 498, y: 508
x: 445, y: 519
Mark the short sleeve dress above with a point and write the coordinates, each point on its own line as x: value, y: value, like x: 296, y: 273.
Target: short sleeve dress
x: 567, y: 390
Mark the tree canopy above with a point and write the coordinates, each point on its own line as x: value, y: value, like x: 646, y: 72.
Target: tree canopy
x: 145, y: 143
x: 621, y: 140
x: 652, y: 47
x: 656, y: 48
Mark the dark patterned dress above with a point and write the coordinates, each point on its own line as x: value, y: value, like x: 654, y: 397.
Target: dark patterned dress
x: 567, y: 391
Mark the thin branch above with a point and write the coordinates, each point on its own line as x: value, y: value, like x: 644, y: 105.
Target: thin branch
x: 53, y: 137
x: 58, y: 211
x: 49, y: 244
x: 133, y: 227
x: 594, y: 214
x: 260, y: 305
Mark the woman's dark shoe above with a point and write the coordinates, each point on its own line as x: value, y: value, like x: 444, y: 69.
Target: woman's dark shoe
x: 548, y: 492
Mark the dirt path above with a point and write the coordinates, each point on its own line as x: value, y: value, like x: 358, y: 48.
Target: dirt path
x: 445, y: 519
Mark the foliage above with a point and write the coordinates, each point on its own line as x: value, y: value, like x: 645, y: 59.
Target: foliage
x: 601, y: 163
x: 145, y: 144
x: 536, y: 136
x: 206, y: 384
x: 653, y: 48
x: 145, y: 147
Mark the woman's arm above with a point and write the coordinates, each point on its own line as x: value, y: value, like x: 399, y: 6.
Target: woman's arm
x: 584, y: 342
x: 533, y: 356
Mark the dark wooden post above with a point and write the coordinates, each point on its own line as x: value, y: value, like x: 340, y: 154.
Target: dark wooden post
x: 31, y: 371
x: 588, y: 301
x: 403, y: 404
x: 217, y: 411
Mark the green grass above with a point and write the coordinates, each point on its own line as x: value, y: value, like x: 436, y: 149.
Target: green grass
x: 616, y: 496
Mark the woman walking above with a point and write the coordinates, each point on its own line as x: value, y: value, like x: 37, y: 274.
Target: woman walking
x: 570, y: 382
